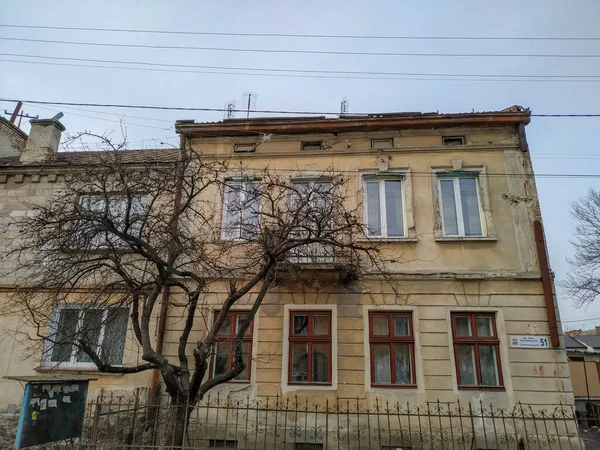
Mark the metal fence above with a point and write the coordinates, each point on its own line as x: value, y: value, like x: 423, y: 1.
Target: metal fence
x: 291, y: 424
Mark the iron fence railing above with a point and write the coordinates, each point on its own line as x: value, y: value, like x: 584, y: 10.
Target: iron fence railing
x: 114, y: 422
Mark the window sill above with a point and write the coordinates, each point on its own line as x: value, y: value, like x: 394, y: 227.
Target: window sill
x: 75, y: 369
x: 482, y: 388
x: 394, y: 386
x: 387, y: 240
x: 466, y: 239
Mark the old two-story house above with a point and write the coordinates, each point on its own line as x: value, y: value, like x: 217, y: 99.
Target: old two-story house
x: 452, y: 195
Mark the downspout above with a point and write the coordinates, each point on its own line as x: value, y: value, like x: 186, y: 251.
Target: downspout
x: 164, y: 306
x: 546, y: 283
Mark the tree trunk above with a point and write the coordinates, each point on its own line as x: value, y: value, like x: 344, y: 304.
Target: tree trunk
x: 179, y: 424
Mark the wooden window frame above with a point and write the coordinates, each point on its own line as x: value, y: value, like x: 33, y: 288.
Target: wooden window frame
x: 476, y: 341
x: 309, y: 339
x: 375, y: 146
x: 243, y: 147
x: 230, y: 337
x: 307, y: 146
x: 391, y: 340
x: 449, y: 141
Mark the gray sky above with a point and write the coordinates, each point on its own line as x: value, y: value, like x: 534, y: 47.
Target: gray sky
x: 558, y: 145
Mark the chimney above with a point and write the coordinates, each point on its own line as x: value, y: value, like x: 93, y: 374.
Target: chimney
x: 43, y: 141
x: 597, y: 330
x: 573, y: 333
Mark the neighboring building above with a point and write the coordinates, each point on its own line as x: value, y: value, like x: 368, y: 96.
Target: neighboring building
x: 451, y: 195
x: 583, y: 352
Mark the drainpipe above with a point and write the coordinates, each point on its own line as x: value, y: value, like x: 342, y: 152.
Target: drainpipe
x: 164, y: 306
x: 547, y: 283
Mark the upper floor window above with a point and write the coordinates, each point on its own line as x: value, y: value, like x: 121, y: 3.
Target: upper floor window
x: 392, y: 349
x: 476, y: 350
x: 103, y: 329
x: 460, y: 205
x: 382, y: 143
x: 244, y: 148
x: 224, y: 350
x: 312, y: 145
x: 241, y: 208
x: 384, y: 208
x: 453, y: 140
x: 127, y: 214
x: 310, y: 347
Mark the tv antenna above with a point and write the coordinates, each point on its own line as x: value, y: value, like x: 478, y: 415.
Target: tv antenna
x: 344, y: 107
x: 230, y: 110
x: 249, y: 102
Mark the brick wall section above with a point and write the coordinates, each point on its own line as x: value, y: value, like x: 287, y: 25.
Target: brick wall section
x: 12, y: 139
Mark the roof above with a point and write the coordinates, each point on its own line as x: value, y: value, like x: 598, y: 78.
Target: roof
x: 573, y: 344
x: 14, y: 127
x: 377, y: 121
x: 591, y: 340
x: 94, y: 157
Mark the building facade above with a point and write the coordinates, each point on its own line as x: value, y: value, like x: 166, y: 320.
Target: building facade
x: 451, y: 199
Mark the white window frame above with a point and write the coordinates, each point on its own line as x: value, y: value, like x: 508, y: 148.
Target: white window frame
x: 458, y: 205
x: 101, y: 240
x: 383, y: 207
x: 227, y: 235
x: 53, y: 330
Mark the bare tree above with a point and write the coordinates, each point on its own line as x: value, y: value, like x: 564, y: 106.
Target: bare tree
x: 582, y: 284
x: 117, y: 234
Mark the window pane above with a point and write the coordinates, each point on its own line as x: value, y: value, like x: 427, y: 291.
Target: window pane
x: 373, y: 209
x: 485, y: 326
x: 380, y: 326
x: 448, y: 207
x: 221, y: 361
x: 401, y: 326
x: 90, y: 332
x: 393, y: 208
x: 381, y: 363
x: 67, y: 325
x: 489, y: 366
x: 115, y: 333
x: 300, y: 324
x: 299, y: 362
x: 251, y: 210
x: 320, y: 363
x: 245, y: 353
x: 403, y: 364
x: 466, y: 365
x: 462, y: 325
x: 240, y: 318
x: 470, y: 206
x: 226, y: 326
x: 232, y: 211
x: 321, y: 324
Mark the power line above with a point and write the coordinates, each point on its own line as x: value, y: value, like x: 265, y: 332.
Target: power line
x: 399, y: 78
x: 319, y: 36
x: 263, y: 111
x: 314, y: 52
x: 263, y: 69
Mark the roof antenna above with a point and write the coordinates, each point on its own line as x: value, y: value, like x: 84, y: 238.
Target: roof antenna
x: 230, y: 110
x: 344, y: 107
x: 249, y: 102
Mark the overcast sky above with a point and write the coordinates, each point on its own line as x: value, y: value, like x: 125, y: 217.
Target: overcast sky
x: 558, y: 145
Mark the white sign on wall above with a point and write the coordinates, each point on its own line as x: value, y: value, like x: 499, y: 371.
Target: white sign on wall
x: 529, y: 341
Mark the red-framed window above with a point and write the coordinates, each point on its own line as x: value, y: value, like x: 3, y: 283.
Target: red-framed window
x: 392, y: 345
x: 310, y: 347
x: 222, y: 358
x: 476, y: 351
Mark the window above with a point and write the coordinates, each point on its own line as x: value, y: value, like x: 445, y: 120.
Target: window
x: 460, y: 205
x: 382, y: 143
x: 310, y: 347
x: 115, y: 208
x: 384, y: 206
x: 453, y: 140
x: 312, y: 145
x: 104, y: 329
x: 392, y: 349
x: 222, y: 360
x: 476, y: 350
x: 313, y: 198
x: 244, y: 148
x: 241, y: 208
